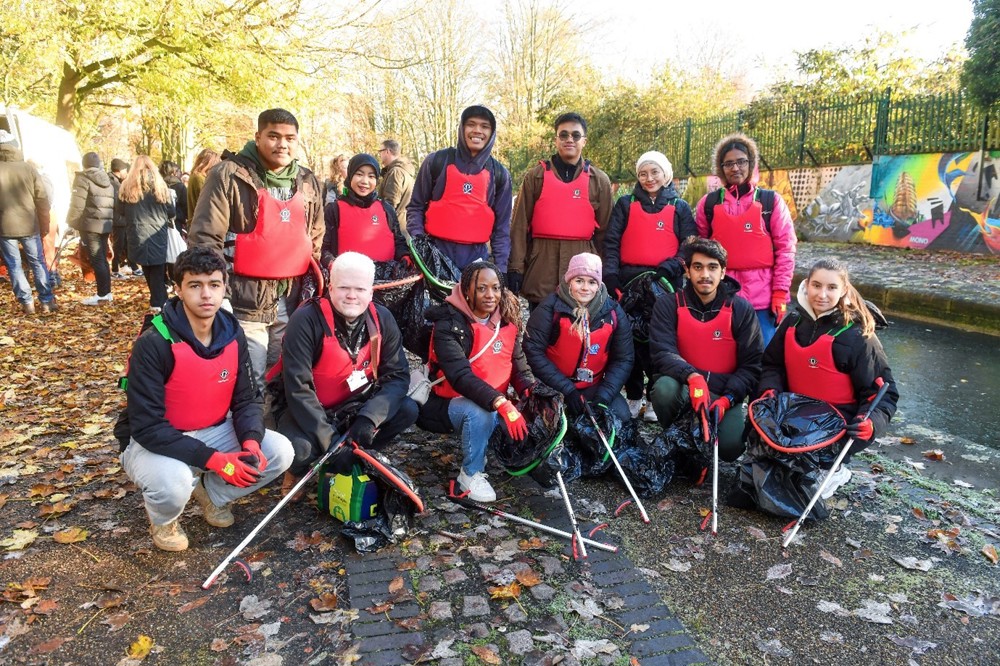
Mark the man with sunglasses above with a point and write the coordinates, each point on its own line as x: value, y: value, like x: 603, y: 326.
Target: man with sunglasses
x: 562, y: 210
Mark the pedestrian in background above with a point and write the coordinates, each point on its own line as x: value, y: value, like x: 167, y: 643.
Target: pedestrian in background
x: 148, y: 206
x: 91, y: 212
x: 205, y: 160
x: 333, y: 187
x: 119, y: 231
x: 398, y: 176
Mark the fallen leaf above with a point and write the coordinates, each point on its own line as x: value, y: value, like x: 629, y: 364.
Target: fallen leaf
x: 832, y: 607
x: 486, y: 654
x: 71, y: 535
x: 916, y: 646
x: 512, y: 591
x: 919, y: 513
x: 191, y: 605
x: 907, y: 440
x: 638, y: 628
x: 588, y: 609
x: 534, y: 543
x: 678, y: 566
x: 773, y: 648
x: 20, y: 540
x: 874, y: 611
x: 990, y: 551
x: 410, y: 624
x: 971, y: 605
x: 116, y: 621
x: 45, y: 607
x: 934, y: 454
x: 779, y: 571
x: 252, y: 608
x: 141, y: 647
x: 218, y: 645
x: 757, y: 533
x: 962, y: 484
x: 112, y: 599
x: 528, y: 578
x: 50, y: 645
x: 325, y: 602
x: 378, y: 609
x: 585, y: 649
x: 913, y: 563
x: 832, y: 559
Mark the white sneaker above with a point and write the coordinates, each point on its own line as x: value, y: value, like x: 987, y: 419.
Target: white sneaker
x: 634, y: 406
x: 837, y: 479
x: 96, y: 300
x: 477, y: 486
x: 649, y: 416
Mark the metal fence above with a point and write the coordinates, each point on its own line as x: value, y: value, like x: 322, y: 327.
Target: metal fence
x: 797, y: 135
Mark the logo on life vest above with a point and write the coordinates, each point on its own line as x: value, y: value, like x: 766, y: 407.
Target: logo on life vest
x: 659, y: 224
x: 594, y: 349
x: 224, y: 375
x: 374, y: 219
x: 286, y: 215
x: 576, y: 194
x: 813, y: 362
x: 717, y: 334
x: 497, y: 346
x: 747, y: 227
x: 466, y: 188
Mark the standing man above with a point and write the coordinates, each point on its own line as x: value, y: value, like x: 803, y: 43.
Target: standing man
x: 119, y: 228
x: 193, y: 405
x: 24, y: 220
x: 343, y: 354
x: 462, y: 197
x: 562, y: 211
x: 706, y: 346
x: 396, y: 188
x: 265, y: 212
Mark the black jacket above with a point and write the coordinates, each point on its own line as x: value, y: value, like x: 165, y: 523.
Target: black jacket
x: 452, y: 340
x: 92, y: 206
x: 746, y: 331
x: 684, y: 226
x: 543, y: 329
x: 862, y: 358
x: 150, y: 366
x: 180, y: 205
x: 300, y: 351
x: 331, y: 215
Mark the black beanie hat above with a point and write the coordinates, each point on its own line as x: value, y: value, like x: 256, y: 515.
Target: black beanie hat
x: 477, y: 111
x: 118, y: 164
x: 359, y: 161
x: 92, y: 161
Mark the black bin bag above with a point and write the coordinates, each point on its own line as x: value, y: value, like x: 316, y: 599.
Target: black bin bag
x: 677, y: 451
x: 793, y: 441
x: 402, y: 290
x: 583, y: 439
x: 638, y: 298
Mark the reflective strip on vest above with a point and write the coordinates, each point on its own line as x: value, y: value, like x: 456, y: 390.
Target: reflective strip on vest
x: 494, y: 367
x: 649, y: 238
x: 567, y: 352
x: 462, y: 214
x: 279, y: 246
x: 812, y: 372
x: 563, y: 210
x: 744, y: 236
x: 707, y: 345
x: 335, y: 365
x: 365, y: 230
x: 200, y: 390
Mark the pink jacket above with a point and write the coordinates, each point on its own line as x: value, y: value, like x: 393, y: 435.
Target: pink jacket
x: 757, y: 284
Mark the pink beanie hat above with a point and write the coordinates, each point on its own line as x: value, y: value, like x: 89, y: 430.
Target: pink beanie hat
x: 584, y: 264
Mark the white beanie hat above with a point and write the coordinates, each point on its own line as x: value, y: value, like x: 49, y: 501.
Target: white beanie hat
x: 660, y: 160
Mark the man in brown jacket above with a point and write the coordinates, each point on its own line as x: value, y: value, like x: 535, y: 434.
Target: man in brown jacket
x: 398, y: 176
x: 264, y: 211
x: 562, y: 210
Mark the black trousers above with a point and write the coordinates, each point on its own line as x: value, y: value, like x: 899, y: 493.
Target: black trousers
x: 96, y: 246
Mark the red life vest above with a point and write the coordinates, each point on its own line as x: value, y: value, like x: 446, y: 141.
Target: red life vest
x: 462, y: 214
x: 279, y: 246
x: 365, y: 230
x: 334, y: 366
x: 649, y: 238
x: 493, y: 367
x: 707, y: 345
x: 812, y: 372
x: 571, y: 352
x: 199, y: 392
x: 563, y: 210
x: 745, y: 236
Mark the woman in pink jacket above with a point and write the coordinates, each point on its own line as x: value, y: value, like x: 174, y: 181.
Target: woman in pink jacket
x: 754, y: 226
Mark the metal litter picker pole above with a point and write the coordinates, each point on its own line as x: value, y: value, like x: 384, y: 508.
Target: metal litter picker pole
x: 836, y: 464
x: 614, y: 459
x: 577, y: 537
x: 524, y: 521
x: 284, y: 500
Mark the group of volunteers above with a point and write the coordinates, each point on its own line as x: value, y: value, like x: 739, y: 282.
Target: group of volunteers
x: 334, y: 363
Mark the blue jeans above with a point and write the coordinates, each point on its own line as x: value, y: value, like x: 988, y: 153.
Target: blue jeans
x: 10, y: 247
x: 474, y: 425
x: 767, y: 324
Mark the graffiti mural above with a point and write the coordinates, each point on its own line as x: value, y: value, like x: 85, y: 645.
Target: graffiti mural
x: 937, y: 201
x: 839, y: 211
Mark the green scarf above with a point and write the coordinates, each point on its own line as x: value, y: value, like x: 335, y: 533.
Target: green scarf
x: 284, y: 179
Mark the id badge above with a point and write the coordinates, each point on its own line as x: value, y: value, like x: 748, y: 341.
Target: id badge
x: 584, y: 375
x: 357, y: 380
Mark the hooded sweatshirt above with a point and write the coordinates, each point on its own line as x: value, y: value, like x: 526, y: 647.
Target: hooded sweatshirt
x: 430, y: 186
x: 150, y: 366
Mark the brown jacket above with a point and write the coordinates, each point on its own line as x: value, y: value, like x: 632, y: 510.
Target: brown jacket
x: 543, y: 261
x: 24, y: 204
x: 226, y: 206
x: 396, y: 186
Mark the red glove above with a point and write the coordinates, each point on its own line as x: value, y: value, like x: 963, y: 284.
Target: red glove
x: 769, y: 393
x: 722, y: 404
x: 861, y: 429
x: 252, y: 446
x: 779, y: 304
x: 516, y: 426
x: 698, y: 388
x: 407, y: 261
x: 233, y: 469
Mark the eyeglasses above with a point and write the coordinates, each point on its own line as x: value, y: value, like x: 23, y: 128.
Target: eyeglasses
x: 575, y: 136
x: 741, y: 163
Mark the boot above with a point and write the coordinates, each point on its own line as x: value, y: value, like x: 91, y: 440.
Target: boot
x: 287, y: 483
x: 214, y: 515
x: 169, y: 537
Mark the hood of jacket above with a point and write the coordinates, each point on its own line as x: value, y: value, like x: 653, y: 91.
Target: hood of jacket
x: 455, y: 302
x: 9, y: 152
x: 224, y: 328
x: 403, y: 163
x: 802, y: 298
x: 464, y: 161
x: 97, y: 176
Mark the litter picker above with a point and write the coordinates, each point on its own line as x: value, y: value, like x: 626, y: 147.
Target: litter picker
x: 713, y: 431
x: 577, y: 539
x: 614, y: 459
x: 466, y: 502
x: 334, y: 448
x: 794, y: 526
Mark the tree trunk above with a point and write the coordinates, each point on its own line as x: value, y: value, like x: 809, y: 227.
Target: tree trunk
x: 66, y: 102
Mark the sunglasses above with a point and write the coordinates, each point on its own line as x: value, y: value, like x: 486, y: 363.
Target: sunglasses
x: 575, y: 136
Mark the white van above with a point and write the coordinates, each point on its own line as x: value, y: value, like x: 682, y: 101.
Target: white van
x: 52, y: 150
